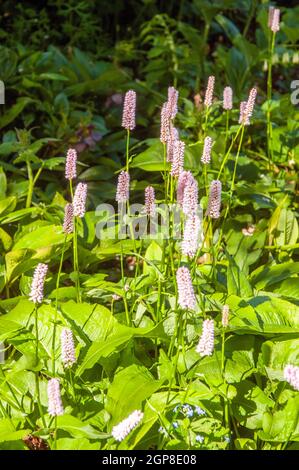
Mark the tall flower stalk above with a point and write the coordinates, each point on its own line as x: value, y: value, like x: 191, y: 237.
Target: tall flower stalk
x: 273, y: 23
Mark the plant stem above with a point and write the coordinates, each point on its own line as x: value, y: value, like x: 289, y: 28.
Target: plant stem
x: 269, y: 96
x: 127, y: 149
x: 56, y: 306
x: 36, y: 375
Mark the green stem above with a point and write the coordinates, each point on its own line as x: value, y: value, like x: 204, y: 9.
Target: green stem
x: 269, y: 97
x: 56, y: 305
x: 127, y: 149
x: 30, y: 186
x: 36, y: 375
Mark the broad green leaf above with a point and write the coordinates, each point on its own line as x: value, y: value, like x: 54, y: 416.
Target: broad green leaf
x: 78, y: 428
x: 130, y: 387
x: 264, y: 276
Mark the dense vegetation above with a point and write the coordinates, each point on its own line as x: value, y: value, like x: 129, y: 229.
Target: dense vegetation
x: 206, y: 362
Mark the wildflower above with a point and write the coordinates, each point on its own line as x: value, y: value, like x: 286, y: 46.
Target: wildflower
x: 214, y: 202
x: 172, y: 102
x: 188, y: 410
x: 68, y: 354
x: 200, y: 411
x: 37, y: 287
x: 55, y: 407
x: 209, y: 91
x: 199, y: 438
x: 123, y: 187
x: 275, y: 20
x: 70, y: 165
x: 186, y: 298
x: 175, y: 424
x: 270, y: 16
x: 227, y: 98
x: 129, y: 110
x: 178, y: 158
x: 191, y: 236
x: 243, y: 119
x: 121, y: 430
x: 225, y: 316
x: 150, y: 206
x: 79, y: 201
x: 172, y: 138
x: 206, y: 154
x: 68, y: 223
x: 291, y: 375
x: 249, y: 106
x: 164, y: 126
x: 190, y: 199
x: 184, y: 178
x: 205, y: 346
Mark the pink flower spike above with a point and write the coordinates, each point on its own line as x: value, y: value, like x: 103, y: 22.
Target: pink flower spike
x: 68, y: 355
x: 123, y: 429
x: 248, y: 111
x: 150, y: 206
x: 270, y: 16
x: 242, y: 118
x: 187, y: 299
x: 291, y: 375
x: 178, y: 158
x: 172, y: 138
x: 123, y: 187
x: 190, y: 199
x: 209, y: 91
x: 55, y: 407
x: 173, y: 95
x: 68, y: 223
x: 70, y: 165
x: 184, y: 178
x: 37, y: 287
x: 190, y: 241
x: 79, y: 201
x: 214, y: 202
x: 227, y: 98
x: 165, y: 124
x: 129, y: 111
x: 205, y: 346
x: 225, y: 316
x: 275, y: 20
x: 206, y: 154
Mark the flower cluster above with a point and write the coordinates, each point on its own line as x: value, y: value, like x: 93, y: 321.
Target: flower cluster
x: 121, y: 430
x: 291, y: 375
x: 37, y: 287
x: 205, y: 346
x: 68, y: 355
x: 186, y: 298
x: 55, y: 407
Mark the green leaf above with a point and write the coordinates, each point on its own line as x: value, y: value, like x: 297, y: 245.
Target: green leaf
x: 130, y: 387
x: 14, y: 111
x: 77, y: 428
x: 237, y: 282
x: 265, y: 276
